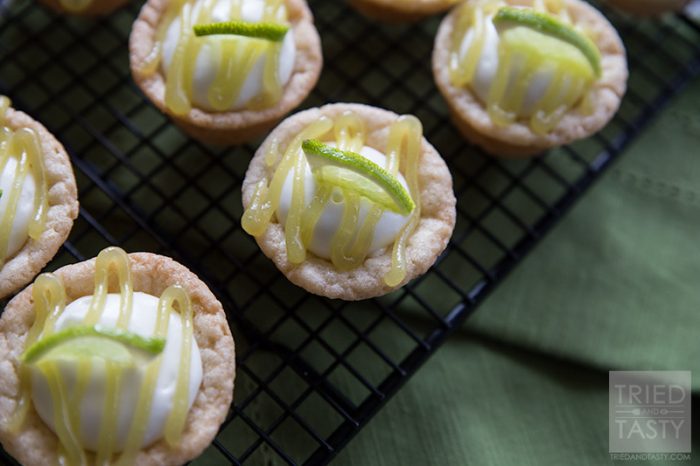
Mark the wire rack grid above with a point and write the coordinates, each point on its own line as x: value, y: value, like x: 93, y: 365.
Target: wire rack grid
x: 311, y: 372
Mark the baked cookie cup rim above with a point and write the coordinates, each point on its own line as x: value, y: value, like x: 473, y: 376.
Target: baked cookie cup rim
x: 517, y: 139
x: 308, y: 64
x: 63, y: 209
x: 426, y: 243
x: 153, y: 274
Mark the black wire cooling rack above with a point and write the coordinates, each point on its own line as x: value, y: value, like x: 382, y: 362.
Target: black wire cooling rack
x: 311, y: 372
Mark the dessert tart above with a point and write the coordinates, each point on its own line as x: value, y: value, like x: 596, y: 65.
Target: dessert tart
x: 84, y: 7
x: 649, y: 7
x: 38, y: 200
x: 523, y: 76
x: 122, y: 360
x: 349, y: 201
x: 401, y: 10
x: 236, y: 80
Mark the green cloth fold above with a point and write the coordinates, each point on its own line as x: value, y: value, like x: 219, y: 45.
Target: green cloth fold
x: 482, y: 402
x: 614, y: 286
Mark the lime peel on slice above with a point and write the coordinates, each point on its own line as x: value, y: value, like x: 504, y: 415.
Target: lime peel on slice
x: 547, y: 24
x: 269, y: 31
x: 36, y: 351
x: 349, y: 170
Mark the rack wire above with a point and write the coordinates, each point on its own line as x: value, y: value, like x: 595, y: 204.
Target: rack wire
x: 311, y: 372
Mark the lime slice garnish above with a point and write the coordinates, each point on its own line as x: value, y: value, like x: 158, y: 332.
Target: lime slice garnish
x: 349, y: 170
x: 268, y: 31
x: 96, y: 341
x: 548, y: 24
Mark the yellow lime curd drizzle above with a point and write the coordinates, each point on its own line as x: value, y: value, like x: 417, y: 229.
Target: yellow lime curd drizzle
x: 149, y: 65
x: 4, y: 106
x: 236, y: 57
x: 175, y: 424
x: 272, y: 89
x: 145, y: 400
x: 350, y: 135
x: 554, y: 7
x: 70, y: 451
x: 470, y: 15
x: 231, y: 73
x: 462, y: 69
x: 567, y: 89
x: 348, y: 248
x: 266, y: 197
x: 405, y: 140
x: 349, y: 131
x: 108, y: 424
x: 23, y: 144
x: 50, y: 300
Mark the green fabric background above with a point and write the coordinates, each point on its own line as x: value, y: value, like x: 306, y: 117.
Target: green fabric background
x: 616, y: 285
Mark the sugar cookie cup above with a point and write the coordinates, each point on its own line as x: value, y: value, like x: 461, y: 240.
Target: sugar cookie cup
x: 467, y: 80
x: 84, y: 7
x: 190, y: 311
x: 649, y: 7
x: 203, y: 89
x: 401, y: 10
x: 317, y: 241
x: 38, y: 214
